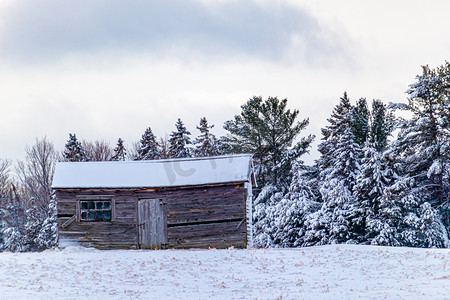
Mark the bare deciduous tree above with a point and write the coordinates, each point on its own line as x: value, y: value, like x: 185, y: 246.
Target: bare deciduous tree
x: 5, y: 180
x: 36, y: 173
x: 99, y: 150
x: 133, y: 152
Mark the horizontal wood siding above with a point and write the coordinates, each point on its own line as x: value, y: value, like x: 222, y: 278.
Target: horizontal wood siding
x: 215, y: 235
x: 201, y: 217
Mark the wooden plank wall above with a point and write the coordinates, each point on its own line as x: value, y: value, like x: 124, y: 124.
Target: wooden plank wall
x: 199, y: 217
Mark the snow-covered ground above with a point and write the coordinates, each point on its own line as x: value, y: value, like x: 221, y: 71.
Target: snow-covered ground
x: 326, y: 272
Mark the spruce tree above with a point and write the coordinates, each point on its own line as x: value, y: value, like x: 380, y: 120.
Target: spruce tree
x: 339, y: 121
x: 32, y: 228
x: 73, y: 150
x: 404, y: 219
x: 377, y: 174
x: 381, y: 126
x: 341, y: 217
x: 360, y: 122
x: 149, y: 148
x: 179, y: 142
x: 280, y: 220
x: 48, y: 234
x: 120, y: 152
x: 206, y: 143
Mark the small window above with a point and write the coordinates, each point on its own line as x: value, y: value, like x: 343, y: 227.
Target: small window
x: 95, y: 210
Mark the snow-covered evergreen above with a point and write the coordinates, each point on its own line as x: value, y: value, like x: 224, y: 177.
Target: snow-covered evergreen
x: 73, y: 150
x: 180, y: 142
x: 120, y: 153
x: 360, y: 117
x: 339, y: 121
x: 206, y: 143
x: 48, y: 233
x: 149, y: 147
x: 423, y: 142
x: 279, y: 221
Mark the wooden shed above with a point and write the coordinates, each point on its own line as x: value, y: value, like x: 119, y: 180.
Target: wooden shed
x: 176, y: 203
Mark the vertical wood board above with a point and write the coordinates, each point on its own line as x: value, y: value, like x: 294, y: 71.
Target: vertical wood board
x: 152, y: 224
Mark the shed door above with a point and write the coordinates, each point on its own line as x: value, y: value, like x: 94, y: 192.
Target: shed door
x: 152, y: 224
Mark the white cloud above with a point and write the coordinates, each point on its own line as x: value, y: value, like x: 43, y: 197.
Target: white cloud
x: 42, y: 30
x: 105, y: 69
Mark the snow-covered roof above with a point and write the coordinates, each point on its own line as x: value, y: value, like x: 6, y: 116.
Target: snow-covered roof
x: 154, y: 173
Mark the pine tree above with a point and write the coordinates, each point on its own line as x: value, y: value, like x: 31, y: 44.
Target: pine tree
x: 268, y: 130
x: 149, y: 148
x: 424, y: 140
x: 179, y: 142
x: 73, y: 150
x: 206, y: 143
x: 120, y: 153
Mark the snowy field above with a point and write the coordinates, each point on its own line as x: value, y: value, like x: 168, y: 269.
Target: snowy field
x: 326, y: 272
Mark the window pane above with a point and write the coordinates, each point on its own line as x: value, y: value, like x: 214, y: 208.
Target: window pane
x: 92, y: 215
x: 107, y: 205
x: 84, y: 215
x: 99, y: 205
x: 91, y: 205
x: 99, y: 215
x: 107, y: 215
x: 84, y: 205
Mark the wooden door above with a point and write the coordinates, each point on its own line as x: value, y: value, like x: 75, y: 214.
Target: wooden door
x: 152, y: 224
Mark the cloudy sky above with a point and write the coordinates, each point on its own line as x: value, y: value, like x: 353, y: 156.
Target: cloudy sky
x: 105, y: 69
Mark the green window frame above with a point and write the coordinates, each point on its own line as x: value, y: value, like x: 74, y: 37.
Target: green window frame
x: 95, y: 210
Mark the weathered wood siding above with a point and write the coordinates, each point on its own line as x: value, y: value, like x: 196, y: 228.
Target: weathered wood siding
x: 152, y: 224
x: 201, y: 217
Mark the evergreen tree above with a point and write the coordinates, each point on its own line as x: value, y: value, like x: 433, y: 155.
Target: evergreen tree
x: 206, y: 143
x: 280, y: 221
x: 340, y: 219
x: 339, y: 121
x: 73, y: 150
x: 120, y: 153
x: 268, y: 130
x: 405, y: 219
x: 32, y: 228
x: 360, y: 122
x: 149, y: 148
x: 48, y: 234
x: 179, y: 142
x: 381, y: 126
x: 376, y: 175
x: 424, y: 140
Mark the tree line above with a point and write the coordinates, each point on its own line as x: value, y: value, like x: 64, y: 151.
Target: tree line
x: 381, y: 178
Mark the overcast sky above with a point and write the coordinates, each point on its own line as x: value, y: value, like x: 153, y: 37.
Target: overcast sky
x: 105, y: 69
